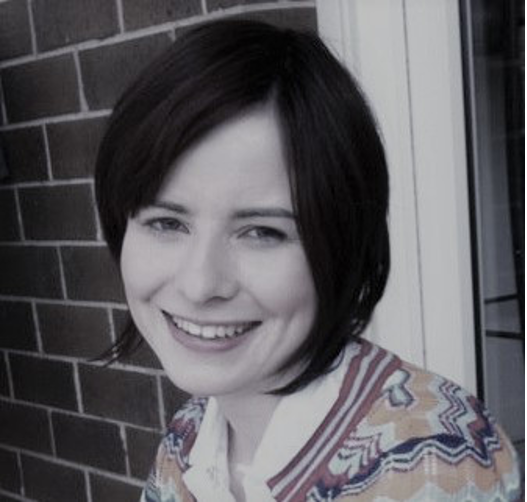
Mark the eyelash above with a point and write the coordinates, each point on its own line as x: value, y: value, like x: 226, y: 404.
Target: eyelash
x: 269, y: 234
x: 165, y: 225
x: 266, y: 235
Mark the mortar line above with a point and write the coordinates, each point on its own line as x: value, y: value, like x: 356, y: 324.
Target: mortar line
x: 16, y: 496
x: 122, y: 433
x: 49, y: 244
x: 65, y: 302
x: 76, y: 414
x: 32, y: 31
x: 156, y: 29
x: 68, y: 463
x: 80, y: 82
x: 55, y: 119
x: 52, y: 433
x: 77, y: 383
x: 48, y: 183
x: 140, y: 370
x: 10, y: 384
x: 19, y: 216
x: 21, y: 471
x: 89, y: 495
x: 62, y: 274
x: 113, y: 334
x: 47, y: 151
x: 120, y: 15
x: 38, y: 333
x: 98, y: 228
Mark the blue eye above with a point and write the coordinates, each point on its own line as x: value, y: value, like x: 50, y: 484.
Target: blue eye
x: 166, y: 225
x: 265, y: 234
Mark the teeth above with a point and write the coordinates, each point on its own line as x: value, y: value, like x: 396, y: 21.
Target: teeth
x: 194, y: 329
x: 211, y: 332
x: 207, y: 332
x: 230, y: 331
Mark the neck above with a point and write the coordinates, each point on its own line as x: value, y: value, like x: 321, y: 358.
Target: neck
x: 248, y: 417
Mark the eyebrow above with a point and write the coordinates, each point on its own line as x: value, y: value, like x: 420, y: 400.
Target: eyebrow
x: 257, y: 212
x: 264, y: 212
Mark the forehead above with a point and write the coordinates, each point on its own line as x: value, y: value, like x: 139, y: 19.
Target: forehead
x: 240, y: 162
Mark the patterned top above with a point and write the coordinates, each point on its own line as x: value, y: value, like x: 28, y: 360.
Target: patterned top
x: 395, y: 433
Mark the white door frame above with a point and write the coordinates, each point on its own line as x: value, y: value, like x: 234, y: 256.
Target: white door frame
x: 407, y: 56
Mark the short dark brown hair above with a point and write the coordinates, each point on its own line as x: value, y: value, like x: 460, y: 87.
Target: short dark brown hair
x: 336, y: 160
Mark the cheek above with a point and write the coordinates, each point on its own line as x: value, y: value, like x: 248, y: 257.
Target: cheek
x: 285, y: 287
x: 141, y: 274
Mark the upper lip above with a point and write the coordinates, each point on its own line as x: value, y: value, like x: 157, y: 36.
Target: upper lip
x: 211, y: 322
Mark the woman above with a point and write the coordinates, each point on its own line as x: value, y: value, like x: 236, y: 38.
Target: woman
x: 242, y: 187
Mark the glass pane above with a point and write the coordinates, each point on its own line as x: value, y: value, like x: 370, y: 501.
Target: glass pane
x: 494, y: 60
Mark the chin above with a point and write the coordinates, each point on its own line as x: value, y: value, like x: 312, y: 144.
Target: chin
x: 201, y: 386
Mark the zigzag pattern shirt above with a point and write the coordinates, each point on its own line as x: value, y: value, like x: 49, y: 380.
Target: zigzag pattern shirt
x: 394, y: 433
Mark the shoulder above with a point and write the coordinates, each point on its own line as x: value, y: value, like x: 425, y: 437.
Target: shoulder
x: 427, y: 438
x: 419, y: 404
x: 183, y: 430
x: 165, y: 479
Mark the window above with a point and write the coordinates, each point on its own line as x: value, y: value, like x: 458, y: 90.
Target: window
x: 494, y: 79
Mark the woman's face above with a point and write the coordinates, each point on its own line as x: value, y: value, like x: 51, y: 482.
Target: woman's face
x: 214, y: 271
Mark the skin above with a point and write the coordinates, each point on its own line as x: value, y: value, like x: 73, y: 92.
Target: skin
x: 220, y: 246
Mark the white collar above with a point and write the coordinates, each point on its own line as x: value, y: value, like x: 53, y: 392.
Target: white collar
x: 292, y: 424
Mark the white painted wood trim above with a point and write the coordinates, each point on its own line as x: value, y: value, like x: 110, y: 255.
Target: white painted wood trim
x: 334, y: 17
x: 435, y: 71
x: 407, y: 56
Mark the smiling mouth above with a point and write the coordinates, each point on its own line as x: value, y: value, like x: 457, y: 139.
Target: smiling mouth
x: 211, y: 331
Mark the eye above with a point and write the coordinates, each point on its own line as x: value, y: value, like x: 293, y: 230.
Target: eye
x: 166, y: 225
x: 265, y: 235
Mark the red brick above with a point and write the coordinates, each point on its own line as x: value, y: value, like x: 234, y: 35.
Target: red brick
x: 41, y: 88
x: 225, y: 4
x: 43, y: 381
x: 30, y: 271
x: 108, y: 70
x: 88, y: 441
x: 116, y: 401
x: 15, y: 35
x: 25, y: 427
x: 58, y: 212
x: 74, y: 331
x: 9, y: 472
x: 25, y: 154
x: 91, y: 274
x: 104, y: 489
x: 9, y: 230
x: 64, y: 22
x: 41, y: 481
x: 301, y: 18
x: 142, y: 448
x: 141, y: 13
x: 73, y: 147
x: 18, y: 326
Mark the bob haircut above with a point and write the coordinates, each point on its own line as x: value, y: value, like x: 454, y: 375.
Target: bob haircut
x: 336, y: 161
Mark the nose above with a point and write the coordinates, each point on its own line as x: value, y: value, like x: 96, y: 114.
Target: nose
x: 207, y: 273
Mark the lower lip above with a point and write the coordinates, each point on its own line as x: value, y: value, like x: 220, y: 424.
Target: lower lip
x: 202, y: 345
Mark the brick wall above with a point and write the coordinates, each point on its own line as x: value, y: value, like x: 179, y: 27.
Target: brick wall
x: 71, y: 430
